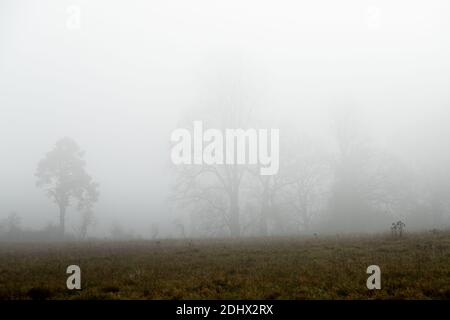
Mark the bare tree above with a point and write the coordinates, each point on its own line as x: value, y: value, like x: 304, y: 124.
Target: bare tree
x: 216, y: 189
x: 269, y: 192
x: 87, y: 221
x: 308, y: 192
x: 303, y: 184
x: 12, y: 224
x: 350, y: 203
x: 370, y: 185
x: 179, y: 226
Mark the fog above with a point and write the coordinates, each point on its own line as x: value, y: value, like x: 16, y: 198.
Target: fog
x: 119, y: 77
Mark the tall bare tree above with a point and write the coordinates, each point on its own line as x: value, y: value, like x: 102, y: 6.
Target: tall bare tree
x: 215, y: 190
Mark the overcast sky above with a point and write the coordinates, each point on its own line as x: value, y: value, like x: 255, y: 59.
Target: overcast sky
x: 120, y: 83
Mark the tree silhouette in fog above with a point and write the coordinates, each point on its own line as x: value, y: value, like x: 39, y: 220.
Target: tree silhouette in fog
x: 214, y: 191
x: 61, y: 173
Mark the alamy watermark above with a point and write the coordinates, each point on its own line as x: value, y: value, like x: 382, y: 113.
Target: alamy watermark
x: 74, y: 280
x: 230, y: 146
x: 374, y: 280
x: 73, y: 20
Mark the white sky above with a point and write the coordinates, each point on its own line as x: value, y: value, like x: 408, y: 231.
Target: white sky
x: 119, y: 84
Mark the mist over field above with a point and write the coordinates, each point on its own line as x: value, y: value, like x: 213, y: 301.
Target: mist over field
x: 359, y: 91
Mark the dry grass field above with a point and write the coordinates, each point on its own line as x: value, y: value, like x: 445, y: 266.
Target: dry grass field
x: 416, y: 266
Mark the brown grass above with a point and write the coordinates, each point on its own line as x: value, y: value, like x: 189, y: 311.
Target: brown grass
x: 414, y: 267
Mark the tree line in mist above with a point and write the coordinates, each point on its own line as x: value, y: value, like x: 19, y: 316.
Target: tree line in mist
x: 348, y: 186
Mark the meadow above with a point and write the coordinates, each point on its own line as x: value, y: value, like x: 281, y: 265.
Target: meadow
x: 415, y: 266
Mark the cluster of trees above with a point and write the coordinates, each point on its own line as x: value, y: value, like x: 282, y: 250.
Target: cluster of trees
x: 346, y: 184
x: 339, y: 183
x: 11, y: 229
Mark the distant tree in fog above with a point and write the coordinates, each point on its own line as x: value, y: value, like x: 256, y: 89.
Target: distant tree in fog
x: 265, y: 189
x: 308, y: 171
x: 350, y: 198
x: 118, y: 232
x: 87, y: 221
x: 61, y: 173
x: 154, y: 231
x: 12, y: 224
x: 213, y: 192
x: 295, y: 195
x: 370, y: 185
x: 437, y: 196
